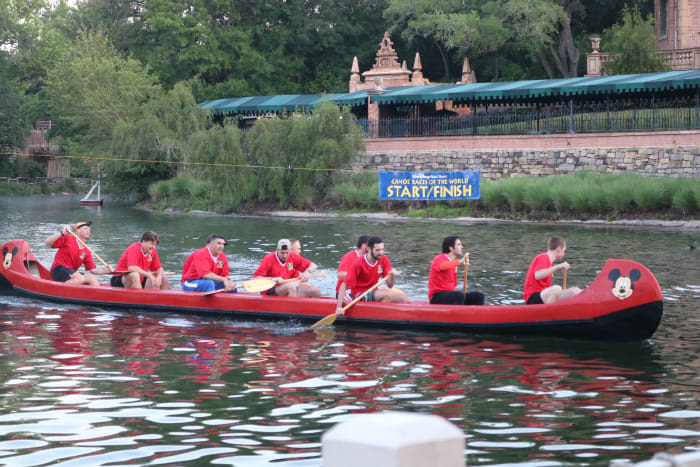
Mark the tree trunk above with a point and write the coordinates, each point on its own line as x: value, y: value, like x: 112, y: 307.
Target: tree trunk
x: 566, y: 56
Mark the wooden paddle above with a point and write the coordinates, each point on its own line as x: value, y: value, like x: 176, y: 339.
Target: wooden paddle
x: 563, y: 285
x: 88, y: 248
x: 261, y: 285
x: 330, y: 319
x: 466, y: 271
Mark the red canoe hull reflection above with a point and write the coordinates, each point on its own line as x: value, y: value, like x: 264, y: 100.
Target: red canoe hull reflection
x: 624, y: 302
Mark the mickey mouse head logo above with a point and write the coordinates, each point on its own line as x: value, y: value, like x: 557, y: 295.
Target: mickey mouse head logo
x: 623, y: 286
x: 7, y: 255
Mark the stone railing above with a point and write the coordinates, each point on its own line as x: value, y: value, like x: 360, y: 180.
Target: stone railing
x: 678, y: 59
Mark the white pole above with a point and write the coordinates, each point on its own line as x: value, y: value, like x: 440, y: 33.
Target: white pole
x: 394, y: 439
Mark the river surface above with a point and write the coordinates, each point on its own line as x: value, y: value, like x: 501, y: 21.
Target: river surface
x: 91, y: 386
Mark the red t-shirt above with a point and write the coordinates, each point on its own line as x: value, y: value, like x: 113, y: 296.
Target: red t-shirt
x: 271, y: 266
x: 346, y: 263
x: 532, y: 285
x: 443, y: 275
x: 134, y: 256
x: 363, y: 275
x: 201, y: 262
x: 72, y: 254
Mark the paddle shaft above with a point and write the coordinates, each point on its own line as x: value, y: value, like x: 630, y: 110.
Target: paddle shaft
x: 466, y: 271
x: 320, y: 274
x: 246, y: 285
x: 563, y: 285
x: 330, y: 319
x: 88, y: 248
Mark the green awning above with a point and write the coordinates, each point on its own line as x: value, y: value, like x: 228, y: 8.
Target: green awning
x: 532, y: 89
x: 498, y: 92
x: 268, y: 104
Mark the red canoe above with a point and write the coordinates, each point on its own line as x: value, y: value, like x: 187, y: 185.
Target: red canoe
x: 623, y: 303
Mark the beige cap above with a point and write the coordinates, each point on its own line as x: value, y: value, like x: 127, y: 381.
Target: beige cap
x: 284, y: 244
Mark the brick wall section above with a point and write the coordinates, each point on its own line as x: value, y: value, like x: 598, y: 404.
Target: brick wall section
x: 653, y: 154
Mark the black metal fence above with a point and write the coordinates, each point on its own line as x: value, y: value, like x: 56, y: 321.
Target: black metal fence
x: 561, y: 117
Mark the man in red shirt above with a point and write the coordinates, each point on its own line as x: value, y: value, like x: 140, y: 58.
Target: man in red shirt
x: 284, y: 264
x: 349, y: 259
x: 442, y: 279
x: 538, y: 280
x: 206, y: 269
x: 72, y: 254
x: 366, y: 272
x: 143, y: 265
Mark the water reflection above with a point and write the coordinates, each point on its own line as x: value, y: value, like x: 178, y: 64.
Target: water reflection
x: 88, y: 386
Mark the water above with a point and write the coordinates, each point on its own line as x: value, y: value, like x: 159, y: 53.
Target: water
x: 93, y: 386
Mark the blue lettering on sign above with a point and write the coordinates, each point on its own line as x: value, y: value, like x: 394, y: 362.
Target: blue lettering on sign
x: 430, y: 186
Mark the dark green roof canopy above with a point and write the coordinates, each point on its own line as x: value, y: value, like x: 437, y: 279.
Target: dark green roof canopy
x: 532, y: 89
x: 268, y: 104
x: 465, y: 93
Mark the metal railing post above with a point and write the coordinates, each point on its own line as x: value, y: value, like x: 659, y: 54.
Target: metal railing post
x: 571, y: 115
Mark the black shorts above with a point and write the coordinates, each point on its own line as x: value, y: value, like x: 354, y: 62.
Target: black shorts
x: 271, y: 292
x: 535, y: 299
x: 61, y: 273
x: 117, y: 281
x: 457, y: 298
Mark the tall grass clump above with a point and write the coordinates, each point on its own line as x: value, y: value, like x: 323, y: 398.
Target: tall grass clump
x: 492, y: 196
x: 684, y: 200
x: 650, y: 195
x: 559, y: 192
x: 618, y: 191
x: 537, y: 197
x: 355, y: 191
x: 514, y: 192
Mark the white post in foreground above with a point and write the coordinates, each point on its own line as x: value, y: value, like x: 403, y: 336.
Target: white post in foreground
x: 394, y: 439
x: 661, y: 459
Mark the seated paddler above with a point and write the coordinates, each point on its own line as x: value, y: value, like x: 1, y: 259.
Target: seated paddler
x: 73, y: 253
x: 290, y: 270
x: 140, y: 266
x: 442, y: 279
x: 207, y: 269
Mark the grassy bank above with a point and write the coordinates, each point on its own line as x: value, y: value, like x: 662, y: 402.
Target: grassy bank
x: 43, y: 188
x: 577, y: 196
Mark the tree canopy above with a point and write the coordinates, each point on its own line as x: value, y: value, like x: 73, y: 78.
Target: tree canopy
x: 632, y: 45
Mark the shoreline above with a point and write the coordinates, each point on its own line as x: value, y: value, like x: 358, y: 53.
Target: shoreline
x: 689, y: 225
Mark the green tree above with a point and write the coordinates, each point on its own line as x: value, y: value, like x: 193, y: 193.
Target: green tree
x: 155, y: 140
x: 13, y: 130
x: 632, y: 45
x: 94, y: 89
x: 478, y: 27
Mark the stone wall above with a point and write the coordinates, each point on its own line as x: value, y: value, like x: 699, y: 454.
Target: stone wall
x: 683, y: 162
x: 498, y: 157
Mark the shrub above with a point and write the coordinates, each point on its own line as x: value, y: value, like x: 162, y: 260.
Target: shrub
x: 649, y: 195
x: 159, y: 190
x: 513, y: 192
x: 492, y: 196
x: 684, y: 200
x: 560, y: 193
x: 537, y: 197
x: 71, y: 185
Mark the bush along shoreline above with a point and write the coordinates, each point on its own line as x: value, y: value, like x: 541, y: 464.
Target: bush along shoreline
x: 582, y: 195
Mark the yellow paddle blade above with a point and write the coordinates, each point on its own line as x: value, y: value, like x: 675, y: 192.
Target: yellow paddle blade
x: 258, y: 285
x: 327, y: 321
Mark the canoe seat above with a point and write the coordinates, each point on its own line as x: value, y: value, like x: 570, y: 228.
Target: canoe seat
x: 33, y: 268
